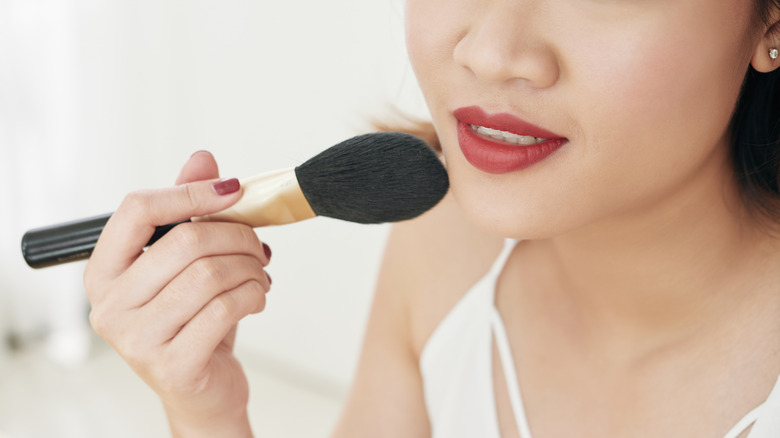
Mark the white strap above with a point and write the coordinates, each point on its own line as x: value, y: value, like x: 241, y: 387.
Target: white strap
x: 510, y: 374
x: 516, y: 400
x: 768, y: 423
x: 744, y: 423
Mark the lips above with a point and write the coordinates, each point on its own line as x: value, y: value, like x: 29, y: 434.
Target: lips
x: 501, y: 156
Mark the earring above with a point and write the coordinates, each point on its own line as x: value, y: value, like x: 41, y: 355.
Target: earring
x: 773, y: 53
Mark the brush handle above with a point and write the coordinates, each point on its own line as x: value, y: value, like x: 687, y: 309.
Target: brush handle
x: 70, y: 241
x: 272, y: 198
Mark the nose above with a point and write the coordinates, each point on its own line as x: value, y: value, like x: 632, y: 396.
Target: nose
x: 504, y: 43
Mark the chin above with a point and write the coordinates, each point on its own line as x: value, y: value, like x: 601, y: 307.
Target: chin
x: 507, y: 214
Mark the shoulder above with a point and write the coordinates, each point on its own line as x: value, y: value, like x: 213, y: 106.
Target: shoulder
x: 429, y: 263
x: 433, y: 261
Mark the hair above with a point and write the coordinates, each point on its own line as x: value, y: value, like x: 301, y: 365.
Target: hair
x: 755, y: 134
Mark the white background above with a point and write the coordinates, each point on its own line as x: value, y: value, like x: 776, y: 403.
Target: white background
x: 99, y: 98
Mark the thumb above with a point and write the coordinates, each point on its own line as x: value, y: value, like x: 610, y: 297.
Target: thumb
x: 200, y: 166
x: 130, y: 227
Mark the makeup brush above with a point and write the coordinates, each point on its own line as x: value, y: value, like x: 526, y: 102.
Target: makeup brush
x: 368, y: 179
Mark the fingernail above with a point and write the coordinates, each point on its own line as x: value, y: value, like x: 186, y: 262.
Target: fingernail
x: 267, y: 250
x: 197, y: 152
x: 226, y: 186
x: 269, y: 279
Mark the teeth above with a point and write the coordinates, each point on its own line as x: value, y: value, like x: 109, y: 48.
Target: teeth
x: 508, y: 137
x: 489, y: 132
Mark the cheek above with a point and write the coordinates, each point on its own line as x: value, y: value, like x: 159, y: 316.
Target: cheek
x: 666, y: 94
x: 425, y: 36
x: 652, y: 109
x: 433, y: 28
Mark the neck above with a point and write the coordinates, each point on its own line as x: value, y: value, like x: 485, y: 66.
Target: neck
x: 653, y: 277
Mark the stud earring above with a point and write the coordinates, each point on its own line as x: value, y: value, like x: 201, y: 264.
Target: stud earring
x: 773, y: 53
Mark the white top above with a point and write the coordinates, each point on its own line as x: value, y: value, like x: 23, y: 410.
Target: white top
x: 457, y: 372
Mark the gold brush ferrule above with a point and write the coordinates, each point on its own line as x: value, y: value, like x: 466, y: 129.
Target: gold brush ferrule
x: 273, y: 198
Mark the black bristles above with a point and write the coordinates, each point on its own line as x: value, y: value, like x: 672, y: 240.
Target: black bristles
x: 374, y: 178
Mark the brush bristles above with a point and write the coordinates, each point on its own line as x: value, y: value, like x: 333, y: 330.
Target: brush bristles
x: 374, y: 178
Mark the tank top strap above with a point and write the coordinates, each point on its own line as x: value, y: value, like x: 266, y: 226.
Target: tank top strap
x: 510, y: 374
x: 767, y: 417
x: 744, y: 423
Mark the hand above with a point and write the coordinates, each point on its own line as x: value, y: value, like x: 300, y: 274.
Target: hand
x: 171, y: 311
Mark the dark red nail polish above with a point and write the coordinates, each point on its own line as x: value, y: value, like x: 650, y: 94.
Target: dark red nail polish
x: 226, y: 186
x: 269, y: 279
x: 267, y: 250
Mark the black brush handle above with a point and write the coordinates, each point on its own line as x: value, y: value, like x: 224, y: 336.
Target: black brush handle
x: 70, y: 241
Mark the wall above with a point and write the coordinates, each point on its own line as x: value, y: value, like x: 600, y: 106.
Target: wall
x: 100, y: 98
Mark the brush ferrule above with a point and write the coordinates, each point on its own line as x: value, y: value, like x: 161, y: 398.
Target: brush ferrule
x: 273, y: 198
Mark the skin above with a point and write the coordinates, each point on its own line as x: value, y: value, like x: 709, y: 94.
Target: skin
x: 638, y: 269
x: 171, y: 311
x: 661, y: 98
x: 635, y: 232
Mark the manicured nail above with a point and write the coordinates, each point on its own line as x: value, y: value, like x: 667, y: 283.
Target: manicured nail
x: 269, y: 279
x: 267, y: 250
x: 226, y: 186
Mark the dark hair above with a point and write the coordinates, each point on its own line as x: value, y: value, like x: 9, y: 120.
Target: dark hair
x: 764, y: 9
x: 756, y: 143
x: 755, y: 130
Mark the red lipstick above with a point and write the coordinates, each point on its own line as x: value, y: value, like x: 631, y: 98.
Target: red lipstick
x: 497, y: 156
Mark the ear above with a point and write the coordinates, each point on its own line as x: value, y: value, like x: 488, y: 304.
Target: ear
x: 767, y: 48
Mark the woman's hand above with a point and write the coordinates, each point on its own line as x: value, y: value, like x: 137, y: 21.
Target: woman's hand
x: 171, y: 311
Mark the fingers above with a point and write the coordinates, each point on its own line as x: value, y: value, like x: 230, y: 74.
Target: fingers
x: 214, y: 322
x: 134, y: 222
x: 182, y: 246
x: 191, y: 291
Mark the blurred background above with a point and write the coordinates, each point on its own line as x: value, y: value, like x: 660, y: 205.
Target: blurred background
x: 99, y: 98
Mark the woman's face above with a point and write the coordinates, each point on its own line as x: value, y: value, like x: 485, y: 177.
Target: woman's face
x: 634, y: 96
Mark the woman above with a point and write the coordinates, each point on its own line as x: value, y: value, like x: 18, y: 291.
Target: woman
x: 614, y: 141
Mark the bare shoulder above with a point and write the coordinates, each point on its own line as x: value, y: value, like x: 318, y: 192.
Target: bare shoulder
x: 429, y: 263
x: 433, y: 261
